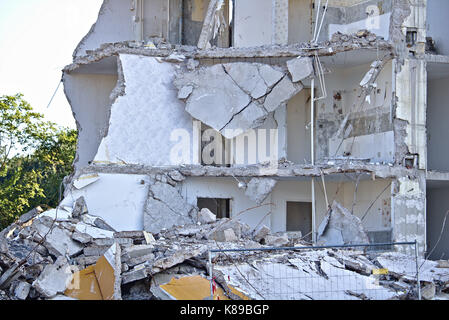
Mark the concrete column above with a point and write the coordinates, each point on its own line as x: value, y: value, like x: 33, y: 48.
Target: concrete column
x: 408, y: 204
x: 280, y: 22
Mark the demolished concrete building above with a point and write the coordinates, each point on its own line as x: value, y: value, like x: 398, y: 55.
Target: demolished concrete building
x: 265, y: 111
x: 282, y: 90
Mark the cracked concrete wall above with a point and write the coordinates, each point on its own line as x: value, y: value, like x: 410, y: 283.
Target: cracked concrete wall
x: 369, y: 123
x: 89, y: 97
x: 118, y: 199
x: 241, y: 94
x: 411, y: 107
x: 148, y: 120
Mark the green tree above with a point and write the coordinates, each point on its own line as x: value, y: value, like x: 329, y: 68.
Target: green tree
x: 35, y: 156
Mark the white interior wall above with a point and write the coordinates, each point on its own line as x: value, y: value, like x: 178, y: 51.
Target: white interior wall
x: 437, y: 127
x: 118, y: 199
x: 156, y: 18
x: 379, y: 216
x: 299, y: 21
x: 295, y: 191
x: 148, y: 124
x: 253, y: 23
x: 89, y: 98
x: 346, y: 81
x: 298, y: 136
x: 437, y: 206
x: 437, y: 24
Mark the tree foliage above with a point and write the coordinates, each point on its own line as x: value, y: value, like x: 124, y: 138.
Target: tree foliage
x: 35, y: 156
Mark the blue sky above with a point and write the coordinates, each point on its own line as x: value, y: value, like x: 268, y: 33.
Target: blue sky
x: 37, y: 39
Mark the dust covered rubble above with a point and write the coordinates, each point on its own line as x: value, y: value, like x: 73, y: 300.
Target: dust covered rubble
x: 37, y: 266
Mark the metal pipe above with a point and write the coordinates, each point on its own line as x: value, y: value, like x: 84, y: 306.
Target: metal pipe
x: 316, y: 247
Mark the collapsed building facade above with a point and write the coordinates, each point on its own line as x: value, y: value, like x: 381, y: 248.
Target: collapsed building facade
x: 244, y: 125
x: 264, y: 110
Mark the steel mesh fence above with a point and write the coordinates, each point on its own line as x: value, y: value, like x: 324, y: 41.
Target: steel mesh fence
x: 311, y: 273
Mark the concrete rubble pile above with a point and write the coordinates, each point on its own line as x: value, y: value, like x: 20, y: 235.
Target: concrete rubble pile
x: 42, y: 254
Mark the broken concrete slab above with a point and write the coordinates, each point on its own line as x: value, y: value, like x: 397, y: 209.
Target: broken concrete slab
x: 258, y: 189
x: 224, y: 235
x: 340, y: 227
x: 180, y: 256
x: 165, y: 208
x: 248, y: 78
x: 95, y: 250
x: 22, y: 290
x: 282, y: 93
x: 83, y: 238
x: 241, y: 93
x: 80, y: 207
x: 138, y: 273
x: 95, y: 233
x: 58, y: 240
x: 185, y: 92
x: 251, y: 117
x: 217, y: 233
x: 136, y: 251
x: 428, y: 291
x: 270, y: 75
x: 276, y: 240
x: 205, y: 216
x: 54, y: 279
x: 96, y: 222
x: 213, y: 88
x: 300, y: 68
x: 85, y: 180
x: 261, y: 232
x: 58, y: 214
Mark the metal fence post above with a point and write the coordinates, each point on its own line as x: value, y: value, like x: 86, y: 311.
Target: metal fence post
x: 418, y: 281
x: 211, y: 276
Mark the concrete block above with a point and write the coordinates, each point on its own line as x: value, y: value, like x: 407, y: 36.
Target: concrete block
x: 79, y: 208
x: 428, y: 291
x: 281, y: 94
x: 180, y: 256
x: 276, y: 240
x: 206, y: 216
x: 258, y: 189
x: 134, y: 275
x: 22, y: 290
x: 300, y: 68
x: 136, y: 251
x: 59, y: 241
x: 94, y: 232
x: 165, y: 208
x: 83, y: 238
x: 261, y: 233
x: 340, y: 227
x: 95, y: 250
x: 54, y: 279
